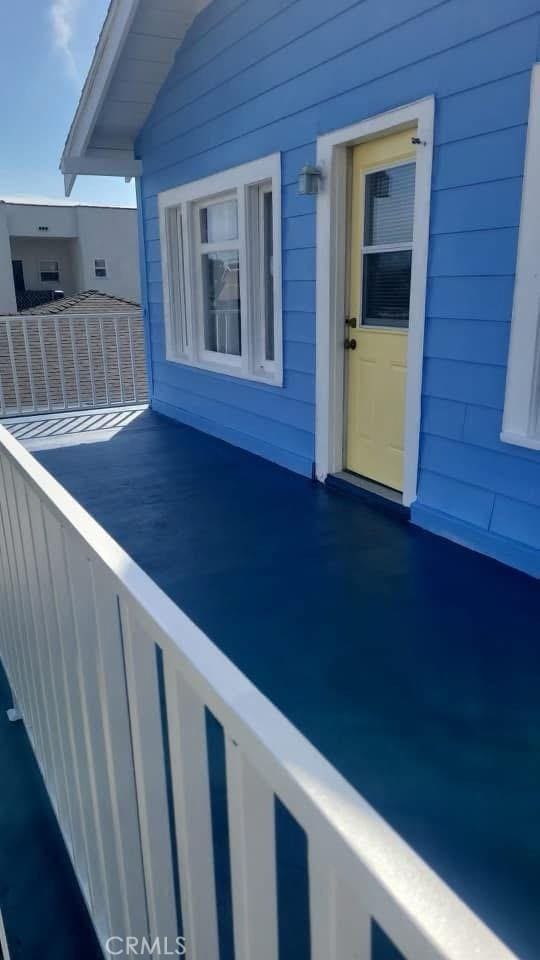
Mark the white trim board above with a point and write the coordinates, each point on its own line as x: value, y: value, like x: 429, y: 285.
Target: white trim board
x: 521, y: 424
x: 331, y: 282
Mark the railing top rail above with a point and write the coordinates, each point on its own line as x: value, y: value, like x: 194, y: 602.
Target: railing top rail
x: 127, y: 314
x: 415, y: 906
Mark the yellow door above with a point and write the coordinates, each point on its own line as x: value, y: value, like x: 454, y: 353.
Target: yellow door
x: 380, y: 251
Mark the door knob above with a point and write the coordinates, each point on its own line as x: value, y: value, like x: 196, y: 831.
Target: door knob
x: 350, y: 344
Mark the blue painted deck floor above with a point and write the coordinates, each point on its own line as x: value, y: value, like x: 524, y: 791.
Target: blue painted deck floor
x: 410, y: 662
x: 43, y: 910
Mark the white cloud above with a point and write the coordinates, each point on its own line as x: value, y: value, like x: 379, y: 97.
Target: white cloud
x: 62, y: 15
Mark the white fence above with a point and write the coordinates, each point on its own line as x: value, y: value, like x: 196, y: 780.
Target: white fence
x: 60, y: 362
x: 122, y: 748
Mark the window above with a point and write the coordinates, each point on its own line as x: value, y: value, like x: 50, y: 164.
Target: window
x: 48, y: 271
x: 100, y: 268
x: 219, y: 261
x: 387, y: 249
x: 221, y: 275
x: 266, y: 235
x: 521, y: 418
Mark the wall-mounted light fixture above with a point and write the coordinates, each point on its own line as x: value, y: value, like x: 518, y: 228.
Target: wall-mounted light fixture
x: 309, y: 180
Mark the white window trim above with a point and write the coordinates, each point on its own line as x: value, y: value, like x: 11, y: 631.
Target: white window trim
x: 521, y: 418
x: 41, y: 271
x: 187, y: 197
x: 331, y: 285
x: 104, y: 267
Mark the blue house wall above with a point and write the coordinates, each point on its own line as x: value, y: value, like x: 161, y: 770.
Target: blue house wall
x: 260, y: 76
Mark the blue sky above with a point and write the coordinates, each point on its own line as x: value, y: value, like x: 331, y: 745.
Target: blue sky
x: 46, y: 47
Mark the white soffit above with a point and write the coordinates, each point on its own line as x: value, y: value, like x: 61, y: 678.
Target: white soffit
x: 134, y: 54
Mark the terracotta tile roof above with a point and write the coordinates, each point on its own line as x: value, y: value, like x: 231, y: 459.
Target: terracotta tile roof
x: 91, y: 301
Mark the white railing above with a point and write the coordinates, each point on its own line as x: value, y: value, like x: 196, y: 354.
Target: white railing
x: 112, y: 680
x: 226, y: 324
x: 76, y: 362
x: 4, y: 949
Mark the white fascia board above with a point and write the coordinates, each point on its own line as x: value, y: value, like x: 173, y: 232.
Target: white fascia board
x: 69, y: 183
x: 122, y: 165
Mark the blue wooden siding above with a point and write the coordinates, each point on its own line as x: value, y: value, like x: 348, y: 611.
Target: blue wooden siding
x: 259, y: 76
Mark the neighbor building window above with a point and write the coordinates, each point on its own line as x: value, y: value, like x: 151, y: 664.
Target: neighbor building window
x: 220, y: 245
x: 49, y: 271
x: 521, y: 418
x: 100, y: 268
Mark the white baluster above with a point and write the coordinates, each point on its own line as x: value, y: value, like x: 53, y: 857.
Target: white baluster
x: 250, y: 804
x: 340, y: 924
x: 150, y: 774
x: 189, y: 770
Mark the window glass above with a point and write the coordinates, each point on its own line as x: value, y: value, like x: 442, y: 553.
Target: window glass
x: 48, y: 270
x: 389, y: 206
x: 219, y: 222
x: 387, y: 289
x: 100, y: 268
x: 221, y: 294
x: 268, y: 268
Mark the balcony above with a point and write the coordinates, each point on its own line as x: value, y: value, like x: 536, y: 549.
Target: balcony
x: 228, y: 697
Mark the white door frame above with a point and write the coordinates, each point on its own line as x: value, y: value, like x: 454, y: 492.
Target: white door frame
x: 332, y: 215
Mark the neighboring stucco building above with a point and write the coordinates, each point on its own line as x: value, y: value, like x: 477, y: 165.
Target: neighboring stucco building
x: 419, y: 118
x: 61, y: 245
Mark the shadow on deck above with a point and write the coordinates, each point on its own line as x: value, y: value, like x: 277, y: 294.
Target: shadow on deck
x: 410, y: 662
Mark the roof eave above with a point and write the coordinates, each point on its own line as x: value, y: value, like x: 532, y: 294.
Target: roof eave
x: 74, y: 158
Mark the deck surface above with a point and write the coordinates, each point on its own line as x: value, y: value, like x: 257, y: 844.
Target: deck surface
x: 410, y: 662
